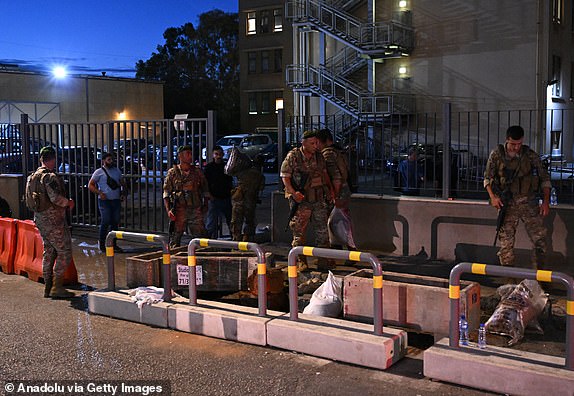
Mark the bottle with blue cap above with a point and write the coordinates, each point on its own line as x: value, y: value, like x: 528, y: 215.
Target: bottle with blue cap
x: 463, y: 330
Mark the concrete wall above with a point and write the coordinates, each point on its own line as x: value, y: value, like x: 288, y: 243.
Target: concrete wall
x: 462, y: 229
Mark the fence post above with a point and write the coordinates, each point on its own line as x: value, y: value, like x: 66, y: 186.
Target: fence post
x: 446, y: 154
x: 211, y: 134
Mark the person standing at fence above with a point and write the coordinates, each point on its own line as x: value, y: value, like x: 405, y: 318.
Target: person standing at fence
x: 411, y: 173
x: 308, y: 189
x: 244, y: 198
x: 108, y: 184
x: 220, y: 186
x: 514, y: 175
x: 338, y: 170
x: 185, y: 196
x: 46, y: 196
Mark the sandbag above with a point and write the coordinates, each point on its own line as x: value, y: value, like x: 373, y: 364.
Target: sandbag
x: 519, y: 307
x: 237, y: 162
x: 340, y: 228
x: 327, y: 299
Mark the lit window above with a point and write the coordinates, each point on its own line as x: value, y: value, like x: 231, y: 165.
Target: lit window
x: 557, y: 10
x: 251, y: 23
x: 278, y: 104
x: 252, y: 63
x: 278, y: 20
x: 264, y: 22
x: 264, y: 61
x: 556, y: 72
x: 252, y: 103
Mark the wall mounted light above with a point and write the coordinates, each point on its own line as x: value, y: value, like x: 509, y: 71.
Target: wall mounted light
x: 402, y: 70
x: 403, y: 4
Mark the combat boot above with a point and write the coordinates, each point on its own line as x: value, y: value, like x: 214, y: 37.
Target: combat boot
x: 58, y: 291
x: 47, y: 287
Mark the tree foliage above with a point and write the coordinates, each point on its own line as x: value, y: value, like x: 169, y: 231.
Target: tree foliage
x: 200, y: 68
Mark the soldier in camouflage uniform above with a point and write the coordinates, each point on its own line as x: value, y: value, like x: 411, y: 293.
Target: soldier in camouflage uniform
x: 338, y: 170
x: 312, y: 198
x: 185, y: 195
x: 244, y: 199
x: 50, y: 218
x: 515, y: 168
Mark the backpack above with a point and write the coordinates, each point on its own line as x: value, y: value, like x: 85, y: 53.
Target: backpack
x: 36, y: 197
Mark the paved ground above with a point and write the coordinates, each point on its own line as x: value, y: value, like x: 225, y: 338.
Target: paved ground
x: 44, y: 339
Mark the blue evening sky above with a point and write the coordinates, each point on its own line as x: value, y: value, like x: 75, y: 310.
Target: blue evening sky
x: 91, y: 36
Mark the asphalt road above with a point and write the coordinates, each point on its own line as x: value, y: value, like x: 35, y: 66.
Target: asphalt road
x: 57, y: 340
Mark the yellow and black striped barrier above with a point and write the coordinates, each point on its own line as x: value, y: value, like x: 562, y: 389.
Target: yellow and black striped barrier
x: 139, y: 237
x: 244, y: 246
x: 336, y: 255
x: 511, y: 272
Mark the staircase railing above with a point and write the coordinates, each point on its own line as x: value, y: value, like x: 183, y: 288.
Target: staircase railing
x: 345, y: 62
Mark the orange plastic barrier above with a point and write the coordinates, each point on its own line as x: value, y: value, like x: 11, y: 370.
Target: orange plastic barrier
x: 7, y: 244
x: 29, y: 251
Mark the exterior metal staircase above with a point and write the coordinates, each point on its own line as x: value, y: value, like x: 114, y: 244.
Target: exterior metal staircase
x: 380, y: 39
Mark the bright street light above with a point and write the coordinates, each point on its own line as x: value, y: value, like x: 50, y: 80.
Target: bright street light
x: 59, y: 72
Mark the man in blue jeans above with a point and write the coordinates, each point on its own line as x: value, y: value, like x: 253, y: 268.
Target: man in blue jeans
x: 107, y: 182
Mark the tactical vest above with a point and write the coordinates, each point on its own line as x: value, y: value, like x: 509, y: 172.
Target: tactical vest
x: 37, y: 199
x: 191, y: 198
x: 519, y: 172
x: 316, y: 187
x: 341, y: 162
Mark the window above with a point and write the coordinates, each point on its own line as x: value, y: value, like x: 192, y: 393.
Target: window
x: 265, y: 103
x: 264, y: 61
x: 571, y: 81
x: 278, y: 101
x: 264, y: 22
x: 278, y: 20
x: 278, y: 62
x: 252, y: 103
x: 251, y: 23
x: 557, y: 11
x: 555, y: 82
x: 555, y: 138
x: 252, y: 62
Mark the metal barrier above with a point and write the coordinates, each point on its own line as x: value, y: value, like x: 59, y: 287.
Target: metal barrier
x: 496, y: 270
x: 244, y: 246
x: 139, y: 237
x: 337, y: 255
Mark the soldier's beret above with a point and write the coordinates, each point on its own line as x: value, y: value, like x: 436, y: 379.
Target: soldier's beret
x: 184, y: 148
x: 48, y: 150
x: 309, y: 134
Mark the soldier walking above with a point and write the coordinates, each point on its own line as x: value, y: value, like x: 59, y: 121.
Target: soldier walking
x: 514, y: 175
x: 46, y: 196
x: 244, y: 198
x: 308, y: 189
x: 185, y: 195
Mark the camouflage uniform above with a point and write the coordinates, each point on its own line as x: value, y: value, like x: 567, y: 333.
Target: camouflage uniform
x: 530, y: 178
x: 53, y: 226
x: 186, y: 191
x: 244, y: 199
x: 338, y: 170
x: 314, y: 207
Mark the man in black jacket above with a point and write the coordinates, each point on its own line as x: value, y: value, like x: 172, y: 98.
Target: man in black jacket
x: 220, y: 186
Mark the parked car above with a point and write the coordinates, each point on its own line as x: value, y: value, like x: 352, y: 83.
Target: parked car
x: 76, y: 159
x: 226, y: 143
x: 253, y: 145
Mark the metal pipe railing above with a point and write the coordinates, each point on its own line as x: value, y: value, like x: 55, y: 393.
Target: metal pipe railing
x: 243, y: 246
x: 337, y: 255
x: 496, y: 270
x: 139, y: 237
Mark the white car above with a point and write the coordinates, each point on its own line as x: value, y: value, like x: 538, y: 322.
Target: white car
x: 226, y: 143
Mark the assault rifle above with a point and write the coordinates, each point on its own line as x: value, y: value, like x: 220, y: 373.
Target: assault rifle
x: 294, y: 204
x: 505, y: 197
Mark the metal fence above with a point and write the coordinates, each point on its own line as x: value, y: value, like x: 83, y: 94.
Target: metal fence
x: 453, y: 147
x: 144, y: 151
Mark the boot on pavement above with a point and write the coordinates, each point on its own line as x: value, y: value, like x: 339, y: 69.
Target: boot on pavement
x: 47, y: 287
x: 58, y: 291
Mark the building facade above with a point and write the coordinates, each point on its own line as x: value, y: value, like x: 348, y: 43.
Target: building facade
x: 265, y: 49
x: 77, y: 99
x: 371, y: 58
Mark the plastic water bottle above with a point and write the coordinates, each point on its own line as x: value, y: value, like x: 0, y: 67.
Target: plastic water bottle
x: 482, y: 336
x: 553, y: 197
x: 463, y: 330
